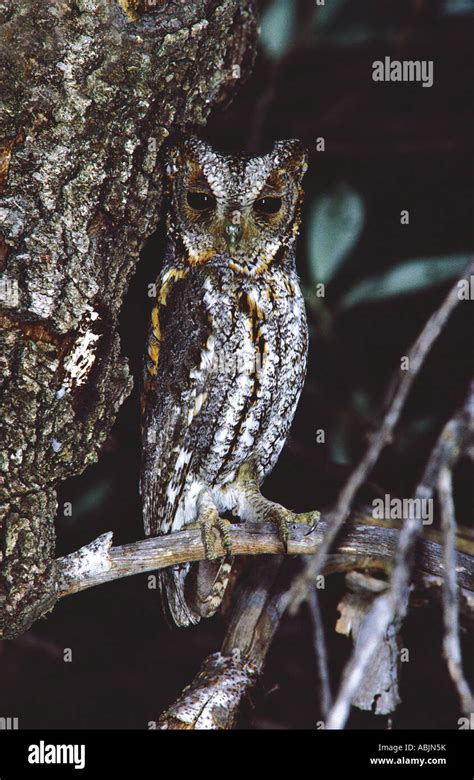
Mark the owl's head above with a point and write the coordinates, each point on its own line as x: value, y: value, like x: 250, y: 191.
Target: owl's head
x: 239, y: 210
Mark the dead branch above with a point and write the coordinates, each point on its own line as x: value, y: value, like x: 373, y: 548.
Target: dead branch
x: 363, y: 544
x: 451, y: 642
x: 254, y: 620
x: 390, y: 609
x: 379, y: 691
x: 213, y: 699
x: 320, y: 652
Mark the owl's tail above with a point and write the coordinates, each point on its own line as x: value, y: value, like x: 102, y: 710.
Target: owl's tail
x: 192, y: 591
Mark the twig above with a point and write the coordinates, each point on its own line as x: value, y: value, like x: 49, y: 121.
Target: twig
x: 379, y: 689
x: 392, y: 606
x: 376, y: 624
x: 394, y: 404
x: 451, y: 641
x: 325, y: 697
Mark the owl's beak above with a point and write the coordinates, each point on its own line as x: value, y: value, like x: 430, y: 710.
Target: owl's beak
x: 233, y: 234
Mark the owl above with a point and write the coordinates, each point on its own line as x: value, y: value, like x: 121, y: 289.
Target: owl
x: 226, y: 356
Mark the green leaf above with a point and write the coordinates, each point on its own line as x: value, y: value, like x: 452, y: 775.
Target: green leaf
x: 92, y: 499
x: 338, y: 447
x: 408, y: 277
x: 328, y: 13
x: 335, y: 224
x: 458, y: 6
x: 345, y: 22
x: 277, y: 27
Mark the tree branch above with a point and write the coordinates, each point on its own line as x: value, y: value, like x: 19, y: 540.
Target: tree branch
x: 392, y: 606
x: 451, y: 642
x: 363, y: 543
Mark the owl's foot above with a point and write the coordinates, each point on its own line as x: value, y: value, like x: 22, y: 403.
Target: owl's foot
x: 284, y: 518
x: 212, y: 527
x: 254, y: 506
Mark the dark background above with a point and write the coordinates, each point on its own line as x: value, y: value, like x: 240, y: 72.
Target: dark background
x: 388, y: 147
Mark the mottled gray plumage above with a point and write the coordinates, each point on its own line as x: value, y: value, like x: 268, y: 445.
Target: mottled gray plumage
x: 226, y: 354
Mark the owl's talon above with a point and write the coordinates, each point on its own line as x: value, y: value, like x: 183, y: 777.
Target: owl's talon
x: 212, y: 528
x: 281, y: 520
x: 224, y: 527
x: 314, y: 520
x: 255, y: 506
x: 209, y: 538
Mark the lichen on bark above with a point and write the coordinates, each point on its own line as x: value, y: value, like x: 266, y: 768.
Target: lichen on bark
x: 90, y: 91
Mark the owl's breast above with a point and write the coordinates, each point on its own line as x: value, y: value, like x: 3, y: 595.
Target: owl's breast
x: 260, y: 346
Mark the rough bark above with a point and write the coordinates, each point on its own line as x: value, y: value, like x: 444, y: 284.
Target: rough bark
x: 379, y: 690
x: 363, y: 542
x: 90, y: 91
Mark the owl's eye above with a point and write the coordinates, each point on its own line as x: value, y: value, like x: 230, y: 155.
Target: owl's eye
x: 200, y: 201
x: 268, y: 205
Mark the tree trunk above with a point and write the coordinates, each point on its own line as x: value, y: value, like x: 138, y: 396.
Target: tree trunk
x: 91, y: 89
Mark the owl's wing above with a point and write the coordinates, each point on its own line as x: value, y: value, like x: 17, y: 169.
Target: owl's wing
x: 177, y: 379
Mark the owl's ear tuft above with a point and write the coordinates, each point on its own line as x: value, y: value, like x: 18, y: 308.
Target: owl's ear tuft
x: 293, y: 155
x: 188, y: 153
